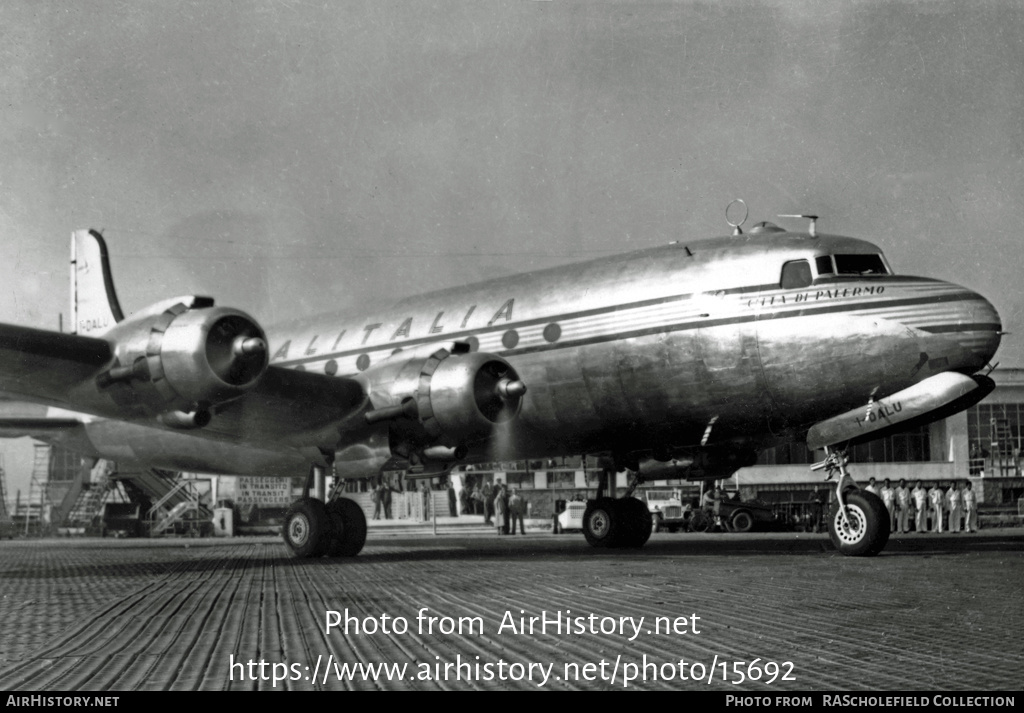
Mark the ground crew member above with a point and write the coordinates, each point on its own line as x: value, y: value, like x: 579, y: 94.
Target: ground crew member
x: 888, y: 496
x: 955, y: 501
x: 920, y: 496
x: 872, y: 487
x: 903, y: 507
x: 938, y: 498
x: 970, y: 508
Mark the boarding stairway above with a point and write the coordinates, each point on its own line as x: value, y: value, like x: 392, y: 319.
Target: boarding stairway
x: 172, y: 504
x: 81, y: 507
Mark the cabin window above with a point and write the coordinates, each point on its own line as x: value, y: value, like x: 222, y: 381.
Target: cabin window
x: 824, y: 264
x: 860, y: 265
x: 796, y: 274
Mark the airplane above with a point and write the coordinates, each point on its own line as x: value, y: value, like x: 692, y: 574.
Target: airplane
x: 677, y: 361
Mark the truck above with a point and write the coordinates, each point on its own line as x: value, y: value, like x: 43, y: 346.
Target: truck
x: 667, y: 510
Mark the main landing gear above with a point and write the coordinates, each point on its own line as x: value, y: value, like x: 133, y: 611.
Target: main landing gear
x: 625, y: 522
x: 313, y: 528
x: 858, y: 522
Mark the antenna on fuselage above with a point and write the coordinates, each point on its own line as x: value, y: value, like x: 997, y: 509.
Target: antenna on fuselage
x: 811, y: 231
x: 736, y: 229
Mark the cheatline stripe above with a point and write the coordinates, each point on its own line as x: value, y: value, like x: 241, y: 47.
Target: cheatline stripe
x: 708, y: 323
x: 970, y: 327
x: 860, y: 305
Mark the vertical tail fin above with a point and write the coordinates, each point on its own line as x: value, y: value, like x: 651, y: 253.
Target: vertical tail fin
x: 94, y: 305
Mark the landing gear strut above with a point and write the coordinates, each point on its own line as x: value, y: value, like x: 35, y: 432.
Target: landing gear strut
x: 858, y: 522
x: 313, y: 528
x: 608, y: 522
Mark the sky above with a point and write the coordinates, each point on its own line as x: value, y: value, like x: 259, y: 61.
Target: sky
x: 291, y: 158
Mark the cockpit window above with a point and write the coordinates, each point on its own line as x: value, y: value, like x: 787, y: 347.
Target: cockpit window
x: 824, y: 265
x: 860, y: 265
x: 796, y: 274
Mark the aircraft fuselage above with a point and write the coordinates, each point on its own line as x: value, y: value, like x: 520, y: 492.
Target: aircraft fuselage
x: 699, y: 343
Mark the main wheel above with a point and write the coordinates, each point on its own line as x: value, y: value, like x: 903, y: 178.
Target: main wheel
x: 348, y: 528
x: 602, y: 523
x: 742, y: 521
x: 637, y: 522
x: 307, y: 528
x: 867, y: 528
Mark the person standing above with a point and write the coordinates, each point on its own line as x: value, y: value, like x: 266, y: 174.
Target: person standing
x: 488, y: 493
x: 425, y: 496
x: 386, y: 499
x: 920, y: 496
x: 970, y: 508
x: 500, y: 511
x: 937, y: 498
x: 517, y: 513
x: 376, y: 496
x: 816, y: 504
x: 888, y: 496
x: 903, y: 507
x: 955, y: 501
x: 503, y: 494
x: 453, y: 508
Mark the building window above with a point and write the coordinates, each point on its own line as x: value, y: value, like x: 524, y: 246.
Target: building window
x: 911, y: 446
x: 520, y: 480
x: 561, y: 479
x: 994, y: 439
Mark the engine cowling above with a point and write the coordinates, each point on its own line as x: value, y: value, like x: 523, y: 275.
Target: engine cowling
x: 177, y: 359
x: 447, y: 399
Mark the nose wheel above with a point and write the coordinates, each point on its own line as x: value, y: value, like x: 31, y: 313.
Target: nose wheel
x: 858, y: 522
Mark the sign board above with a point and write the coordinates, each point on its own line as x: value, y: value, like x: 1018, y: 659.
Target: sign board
x: 273, y: 492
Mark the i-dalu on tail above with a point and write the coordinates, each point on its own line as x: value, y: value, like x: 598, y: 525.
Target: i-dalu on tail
x: 679, y: 361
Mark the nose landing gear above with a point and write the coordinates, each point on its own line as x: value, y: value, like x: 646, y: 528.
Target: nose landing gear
x: 858, y: 522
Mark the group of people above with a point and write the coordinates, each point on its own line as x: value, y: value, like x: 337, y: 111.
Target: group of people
x: 509, y: 509
x: 381, y: 496
x: 934, y: 509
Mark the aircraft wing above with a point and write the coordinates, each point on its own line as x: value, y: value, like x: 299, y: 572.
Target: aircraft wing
x: 284, y: 409
x: 46, y: 366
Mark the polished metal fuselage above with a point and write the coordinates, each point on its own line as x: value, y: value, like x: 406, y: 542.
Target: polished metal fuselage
x: 690, y: 344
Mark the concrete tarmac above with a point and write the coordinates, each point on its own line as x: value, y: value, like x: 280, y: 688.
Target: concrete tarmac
x: 727, y: 612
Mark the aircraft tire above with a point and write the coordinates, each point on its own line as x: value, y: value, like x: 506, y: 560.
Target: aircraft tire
x: 602, y: 523
x: 636, y: 521
x: 306, y: 528
x: 348, y: 528
x: 742, y: 521
x: 868, y: 532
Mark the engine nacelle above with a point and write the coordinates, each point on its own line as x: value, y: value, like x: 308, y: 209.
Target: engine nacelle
x: 447, y: 399
x: 185, y: 356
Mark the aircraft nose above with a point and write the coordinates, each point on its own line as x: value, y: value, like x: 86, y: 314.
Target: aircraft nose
x: 984, y: 332
x: 975, y: 325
